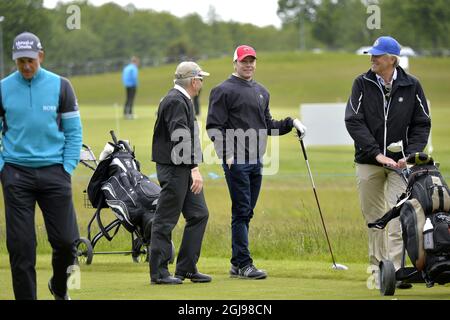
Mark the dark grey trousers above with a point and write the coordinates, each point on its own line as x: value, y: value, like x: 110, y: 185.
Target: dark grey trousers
x: 128, y: 107
x: 49, y: 187
x: 175, y: 198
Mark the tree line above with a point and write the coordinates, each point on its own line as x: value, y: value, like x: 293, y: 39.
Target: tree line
x: 108, y: 35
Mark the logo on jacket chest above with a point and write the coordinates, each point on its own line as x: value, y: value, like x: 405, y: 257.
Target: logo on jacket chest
x: 400, y: 99
x: 48, y: 108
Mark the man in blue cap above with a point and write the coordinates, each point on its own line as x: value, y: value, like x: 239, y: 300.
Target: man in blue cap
x: 386, y: 105
x: 41, y: 139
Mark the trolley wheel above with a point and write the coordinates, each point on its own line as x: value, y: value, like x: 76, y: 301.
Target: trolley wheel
x: 85, y: 252
x: 172, y: 256
x: 387, y: 278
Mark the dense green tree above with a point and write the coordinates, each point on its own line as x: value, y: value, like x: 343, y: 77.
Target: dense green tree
x: 17, y: 19
x: 109, y: 35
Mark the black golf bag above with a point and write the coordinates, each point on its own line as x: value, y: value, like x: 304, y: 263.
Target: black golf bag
x: 427, y: 196
x: 117, y: 183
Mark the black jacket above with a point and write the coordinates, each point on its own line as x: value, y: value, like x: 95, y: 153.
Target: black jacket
x: 373, y: 127
x: 175, y: 137
x: 240, y: 104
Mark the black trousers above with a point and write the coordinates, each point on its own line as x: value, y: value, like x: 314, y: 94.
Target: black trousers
x: 176, y: 197
x: 131, y: 93
x: 49, y: 187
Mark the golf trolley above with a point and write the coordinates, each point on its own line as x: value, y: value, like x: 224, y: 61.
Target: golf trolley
x: 439, y: 273
x: 434, y: 271
x: 86, y: 246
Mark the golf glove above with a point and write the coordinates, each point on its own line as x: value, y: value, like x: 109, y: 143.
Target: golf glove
x: 300, y: 128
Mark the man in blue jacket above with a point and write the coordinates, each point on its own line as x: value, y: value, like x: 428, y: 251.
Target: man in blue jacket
x: 130, y: 82
x: 41, y: 142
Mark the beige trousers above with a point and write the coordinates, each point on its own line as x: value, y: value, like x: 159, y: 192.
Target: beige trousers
x: 379, y: 188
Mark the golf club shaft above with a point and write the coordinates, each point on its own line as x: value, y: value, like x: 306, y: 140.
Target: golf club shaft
x: 317, y: 200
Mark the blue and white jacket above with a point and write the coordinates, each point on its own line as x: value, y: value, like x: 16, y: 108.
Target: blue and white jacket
x: 40, y: 121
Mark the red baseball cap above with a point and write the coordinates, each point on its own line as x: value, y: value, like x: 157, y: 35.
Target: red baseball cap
x: 243, y: 51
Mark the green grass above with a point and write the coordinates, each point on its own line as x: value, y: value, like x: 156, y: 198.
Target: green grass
x: 291, y: 77
x: 286, y: 236
x: 106, y: 279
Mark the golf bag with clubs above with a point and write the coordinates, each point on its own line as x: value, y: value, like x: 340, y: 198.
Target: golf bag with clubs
x: 425, y: 203
x: 117, y: 183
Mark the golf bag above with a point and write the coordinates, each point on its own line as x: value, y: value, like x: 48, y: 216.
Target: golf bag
x: 117, y: 183
x: 427, y: 196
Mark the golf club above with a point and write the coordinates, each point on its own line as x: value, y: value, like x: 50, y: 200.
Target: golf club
x: 396, y: 147
x: 335, y: 266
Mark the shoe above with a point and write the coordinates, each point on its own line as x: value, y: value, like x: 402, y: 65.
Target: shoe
x: 251, y: 272
x: 403, y: 285
x: 194, y: 277
x: 57, y: 297
x: 167, y: 280
x: 234, y: 271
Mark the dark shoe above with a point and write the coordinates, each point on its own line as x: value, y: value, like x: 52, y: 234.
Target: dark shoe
x: 403, y: 285
x: 234, y: 271
x: 57, y: 297
x: 194, y: 277
x: 167, y: 280
x: 251, y: 272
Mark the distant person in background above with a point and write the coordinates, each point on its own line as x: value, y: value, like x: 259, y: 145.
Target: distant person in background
x: 41, y: 141
x: 386, y: 105
x: 130, y: 82
x: 197, y: 104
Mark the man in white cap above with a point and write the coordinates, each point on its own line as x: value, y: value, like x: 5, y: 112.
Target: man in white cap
x: 386, y: 105
x: 241, y: 105
x: 41, y: 139
x: 176, y: 151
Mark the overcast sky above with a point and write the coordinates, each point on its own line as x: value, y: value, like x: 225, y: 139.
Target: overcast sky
x: 257, y: 12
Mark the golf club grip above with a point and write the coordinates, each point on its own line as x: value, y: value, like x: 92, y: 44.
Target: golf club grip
x: 303, y: 149
x: 113, y: 136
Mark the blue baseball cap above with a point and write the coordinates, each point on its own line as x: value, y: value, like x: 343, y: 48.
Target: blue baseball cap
x: 384, y: 45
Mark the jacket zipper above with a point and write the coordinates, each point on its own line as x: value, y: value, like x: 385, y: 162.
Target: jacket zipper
x: 386, y: 106
x: 31, y: 95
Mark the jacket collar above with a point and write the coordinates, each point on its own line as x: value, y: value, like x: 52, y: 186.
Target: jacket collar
x: 38, y: 75
x: 403, y: 79
x: 183, y: 91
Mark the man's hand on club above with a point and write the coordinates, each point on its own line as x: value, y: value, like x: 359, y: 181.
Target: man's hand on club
x: 301, y: 129
x: 197, y: 181
x: 402, y: 163
x: 386, y: 161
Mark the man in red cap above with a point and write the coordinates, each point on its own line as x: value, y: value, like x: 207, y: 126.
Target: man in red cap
x: 239, y: 122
